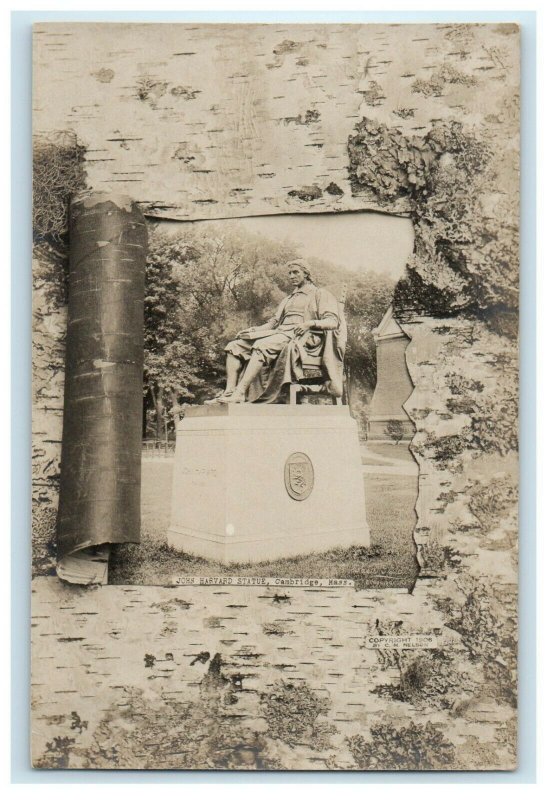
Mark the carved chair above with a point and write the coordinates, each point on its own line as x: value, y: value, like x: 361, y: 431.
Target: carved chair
x: 315, y: 377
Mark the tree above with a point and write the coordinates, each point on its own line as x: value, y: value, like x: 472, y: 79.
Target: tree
x: 368, y: 297
x: 395, y: 429
x: 202, y: 286
x: 169, y: 366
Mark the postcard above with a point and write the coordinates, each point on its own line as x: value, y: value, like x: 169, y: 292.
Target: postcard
x: 275, y: 396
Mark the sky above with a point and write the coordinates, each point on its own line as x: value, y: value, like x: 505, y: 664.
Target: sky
x: 359, y: 241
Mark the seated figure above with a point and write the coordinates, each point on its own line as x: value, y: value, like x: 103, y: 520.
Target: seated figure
x: 308, y: 325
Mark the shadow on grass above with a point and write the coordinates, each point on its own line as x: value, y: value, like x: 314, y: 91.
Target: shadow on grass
x: 370, y: 567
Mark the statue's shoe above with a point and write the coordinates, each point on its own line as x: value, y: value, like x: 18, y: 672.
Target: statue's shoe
x: 220, y: 398
x: 236, y: 397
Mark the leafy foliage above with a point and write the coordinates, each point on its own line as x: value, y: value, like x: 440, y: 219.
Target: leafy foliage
x: 395, y: 429
x: 466, y: 254
x: 436, y: 559
x: 436, y: 84
x: 369, y: 295
x: 292, y: 712
x: 57, y: 753
x: 492, y: 500
x: 146, y: 732
x: 414, y: 747
x: 58, y: 172
x: 428, y: 679
x: 488, y: 628
x: 489, y: 433
x: 202, y: 286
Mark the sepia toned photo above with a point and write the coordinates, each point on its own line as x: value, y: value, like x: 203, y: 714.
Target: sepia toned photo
x: 222, y: 488
x: 275, y: 396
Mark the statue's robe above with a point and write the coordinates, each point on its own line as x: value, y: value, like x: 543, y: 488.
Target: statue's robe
x: 284, y: 354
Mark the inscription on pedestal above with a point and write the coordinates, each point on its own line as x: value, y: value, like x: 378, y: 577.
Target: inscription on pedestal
x: 298, y: 476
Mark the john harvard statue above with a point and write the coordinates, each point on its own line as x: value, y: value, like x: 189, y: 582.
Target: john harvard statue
x: 307, y: 330
x: 253, y: 483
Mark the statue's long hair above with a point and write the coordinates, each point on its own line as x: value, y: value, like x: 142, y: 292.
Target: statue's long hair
x: 303, y: 265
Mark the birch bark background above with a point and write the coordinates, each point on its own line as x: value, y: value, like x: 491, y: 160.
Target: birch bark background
x: 210, y: 121
x: 202, y: 121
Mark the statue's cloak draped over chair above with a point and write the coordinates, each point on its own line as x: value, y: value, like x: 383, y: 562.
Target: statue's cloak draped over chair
x: 313, y: 362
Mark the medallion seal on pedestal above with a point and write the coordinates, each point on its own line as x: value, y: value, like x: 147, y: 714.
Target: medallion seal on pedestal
x: 298, y: 476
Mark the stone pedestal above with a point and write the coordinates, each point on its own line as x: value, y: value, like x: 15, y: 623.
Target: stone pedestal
x: 259, y: 482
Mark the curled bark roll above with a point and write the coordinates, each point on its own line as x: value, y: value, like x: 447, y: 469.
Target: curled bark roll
x: 99, y: 502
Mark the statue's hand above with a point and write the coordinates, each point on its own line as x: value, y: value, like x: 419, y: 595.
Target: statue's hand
x: 303, y: 328
x: 244, y: 333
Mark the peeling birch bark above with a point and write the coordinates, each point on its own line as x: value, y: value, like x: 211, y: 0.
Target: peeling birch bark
x: 212, y: 121
x: 99, y: 501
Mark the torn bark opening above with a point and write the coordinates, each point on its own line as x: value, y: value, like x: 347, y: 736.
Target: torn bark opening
x: 99, y: 501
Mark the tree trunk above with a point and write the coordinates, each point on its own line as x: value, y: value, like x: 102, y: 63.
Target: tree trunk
x: 349, y: 386
x: 144, y: 417
x: 158, y: 405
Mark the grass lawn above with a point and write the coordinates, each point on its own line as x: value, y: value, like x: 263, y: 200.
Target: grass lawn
x: 390, y: 451
x: 388, y: 562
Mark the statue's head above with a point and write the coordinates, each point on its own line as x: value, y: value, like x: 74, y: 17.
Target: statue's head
x: 299, y: 271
